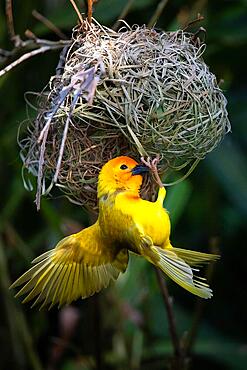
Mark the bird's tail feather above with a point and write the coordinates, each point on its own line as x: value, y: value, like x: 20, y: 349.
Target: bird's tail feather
x: 194, y: 258
x: 174, y: 263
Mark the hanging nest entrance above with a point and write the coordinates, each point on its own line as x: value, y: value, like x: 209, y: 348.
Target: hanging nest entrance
x: 134, y: 92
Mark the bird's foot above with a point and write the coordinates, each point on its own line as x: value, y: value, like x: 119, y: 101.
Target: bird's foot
x: 152, y: 165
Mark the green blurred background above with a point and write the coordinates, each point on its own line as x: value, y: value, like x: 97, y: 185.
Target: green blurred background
x: 125, y: 327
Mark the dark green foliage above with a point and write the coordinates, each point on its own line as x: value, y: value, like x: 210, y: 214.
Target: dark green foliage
x: 125, y: 327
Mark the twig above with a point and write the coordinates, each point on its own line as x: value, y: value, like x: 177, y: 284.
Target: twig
x: 200, y: 303
x: 9, y: 19
x: 98, y: 333
x: 77, y: 11
x: 4, y: 54
x: 198, y: 19
x: 157, y: 13
x: 19, y: 333
x: 123, y: 14
x: 179, y: 358
x: 39, y: 45
x: 26, y: 56
x: 197, y: 38
x: 178, y: 352
x: 62, y: 59
x: 49, y: 24
x: 88, y: 85
x: 89, y: 10
x: 40, y: 169
x: 61, y: 151
x: 33, y: 43
x: 43, y: 138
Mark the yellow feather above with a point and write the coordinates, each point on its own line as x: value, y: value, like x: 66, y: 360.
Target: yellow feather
x: 31, y: 273
x: 43, y: 256
x: 39, y: 285
x: 76, y: 282
x: 179, y: 271
x: 63, y: 284
x: 59, y: 284
x: 73, y: 282
x: 54, y: 285
x: 84, y: 263
x: 80, y: 280
x: 195, y: 258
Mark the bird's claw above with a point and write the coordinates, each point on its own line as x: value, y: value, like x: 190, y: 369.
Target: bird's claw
x: 152, y: 165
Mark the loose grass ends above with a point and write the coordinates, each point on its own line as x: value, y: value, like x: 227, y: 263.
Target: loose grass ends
x: 137, y: 92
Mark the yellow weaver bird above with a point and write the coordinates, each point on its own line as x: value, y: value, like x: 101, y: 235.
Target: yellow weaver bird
x: 84, y: 263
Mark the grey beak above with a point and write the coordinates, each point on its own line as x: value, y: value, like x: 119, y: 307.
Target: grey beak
x: 139, y: 169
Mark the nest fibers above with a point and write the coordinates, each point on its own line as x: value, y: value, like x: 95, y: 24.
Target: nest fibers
x: 134, y: 92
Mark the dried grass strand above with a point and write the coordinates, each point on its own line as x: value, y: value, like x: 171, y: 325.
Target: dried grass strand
x: 136, y: 92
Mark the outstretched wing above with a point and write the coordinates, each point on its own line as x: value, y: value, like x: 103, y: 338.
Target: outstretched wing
x: 79, y: 266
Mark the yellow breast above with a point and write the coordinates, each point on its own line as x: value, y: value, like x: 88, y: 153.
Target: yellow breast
x: 152, y: 219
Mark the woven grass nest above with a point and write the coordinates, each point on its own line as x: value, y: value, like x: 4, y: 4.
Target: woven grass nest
x: 134, y: 92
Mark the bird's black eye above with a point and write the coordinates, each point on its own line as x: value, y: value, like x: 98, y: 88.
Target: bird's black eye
x: 123, y: 167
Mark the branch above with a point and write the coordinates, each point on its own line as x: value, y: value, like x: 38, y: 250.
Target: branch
x: 77, y: 11
x: 39, y: 45
x: 157, y: 13
x: 22, y: 58
x: 192, y: 23
x: 9, y: 19
x: 98, y: 332
x: 89, y: 10
x: 51, y: 26
x: 123, y: 14
x: 170, y: 314
x: 200, y: 303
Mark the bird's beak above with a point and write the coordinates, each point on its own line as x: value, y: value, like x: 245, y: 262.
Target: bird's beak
x: 139, y: 169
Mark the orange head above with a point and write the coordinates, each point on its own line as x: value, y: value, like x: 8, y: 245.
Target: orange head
x: 120, y: 173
